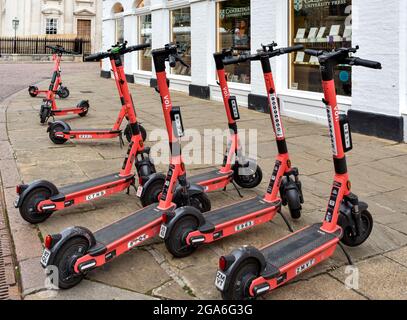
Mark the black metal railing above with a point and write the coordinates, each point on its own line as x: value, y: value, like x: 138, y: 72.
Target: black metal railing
x: 38, y: 45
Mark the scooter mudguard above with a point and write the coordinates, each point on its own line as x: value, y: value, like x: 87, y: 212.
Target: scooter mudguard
x: 193, y: 189
x: 151, y: 179
x: 51, y: 125
x: 67, y: 235
x: 237, y: 257
x: 345, y: 217
x: 180, y: 213
x: 35, y: 185
x: 84, y: 104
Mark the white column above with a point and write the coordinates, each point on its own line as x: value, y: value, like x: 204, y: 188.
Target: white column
x: 203, y: 42
x: 160, y: 24
x: 378, y: 91
x: 108, y: 40
x: 130, y: 35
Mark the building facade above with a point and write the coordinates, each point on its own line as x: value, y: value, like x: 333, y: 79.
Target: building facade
x: 376, y: 100
x: 53, y: 17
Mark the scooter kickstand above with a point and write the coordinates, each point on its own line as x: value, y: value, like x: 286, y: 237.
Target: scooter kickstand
x: 350, y: 262
x: 290, y: 228
x: 121, y: 141
x: 237, y: 189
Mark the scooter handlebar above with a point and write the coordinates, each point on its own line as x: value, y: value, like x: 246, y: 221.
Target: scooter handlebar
x: 291, y: 49
x: 137, y: 48
x: 237, y: 60
x: 59, y: 49
x: 315, y: 53
x: 97, y: 56
x: 364, y: 63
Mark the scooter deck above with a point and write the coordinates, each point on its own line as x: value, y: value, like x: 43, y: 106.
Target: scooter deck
x: 235, y: 211
x: 93, y: 183
x: 297, y: 245
x: 208, y: 176
x: 92, y: 131
x: 128, y: 224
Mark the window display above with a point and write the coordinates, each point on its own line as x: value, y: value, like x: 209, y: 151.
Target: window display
x: 145, y: 36
x: 119, y: 30
x: 181, y: 33
x: 233, y: 30
x: 320, y: 25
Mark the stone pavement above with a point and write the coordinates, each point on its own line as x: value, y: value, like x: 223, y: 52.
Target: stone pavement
x: 378, y: 169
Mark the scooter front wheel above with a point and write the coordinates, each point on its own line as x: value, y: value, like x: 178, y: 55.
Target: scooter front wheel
x: 84, y: 105
x: 28, y: 209
x: 294, y: 203
x: 127, y: 133
x: 151, y: 194
x: 247, y: 177
x: 176, y: 242
x: 65, y: 260
x: 45, y: 113
x: 243, y: 276
x: 63, y: 92
x: 201, y: 202
x: 350, y: 239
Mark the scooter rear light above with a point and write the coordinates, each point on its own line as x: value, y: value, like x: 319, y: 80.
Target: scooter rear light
x: 164, y: 218
x: 20, y: 188
x: 225, y: 262
x: 48, y: 242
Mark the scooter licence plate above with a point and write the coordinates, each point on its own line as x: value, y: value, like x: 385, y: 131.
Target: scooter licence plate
x: 163, y: 231
x: 139, y: 191
x: 220, y: 281
x: 46, y: 254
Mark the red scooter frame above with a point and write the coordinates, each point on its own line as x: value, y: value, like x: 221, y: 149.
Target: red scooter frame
x: 57, y: 87
x: 75, y: 251
x: 249, y: 272
x: 60, y: 132
x: 38, y: 200
x: 182, y: 234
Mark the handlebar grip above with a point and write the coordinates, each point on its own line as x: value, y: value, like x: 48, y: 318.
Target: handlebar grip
x: 365, y: 63
x: 173, y: 61
x: 236, y: 60
x: 137, y: 47
x: 97, y: 56
x: 292, y: 49
x: 314, y: 53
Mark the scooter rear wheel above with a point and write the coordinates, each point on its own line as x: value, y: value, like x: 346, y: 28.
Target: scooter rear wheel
x: 248, y: 181
x: 28, y: 209
x: 351, y: 240
x: 65, y: 260
x: 176, y: 242
x: 84, y: 105
x: 241, y: 280
x: 57, y: 140
x: 33, y: 91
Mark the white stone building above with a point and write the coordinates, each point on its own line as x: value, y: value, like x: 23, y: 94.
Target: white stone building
x: 60, y: 17
x: 376, y: 100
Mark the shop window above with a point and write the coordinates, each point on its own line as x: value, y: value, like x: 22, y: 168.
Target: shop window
x: 321, y: 25
x: 145, y: 36
x: 119, y: 30
x: 51, y: 26
x: 233, y: 31
x: 181, y: 33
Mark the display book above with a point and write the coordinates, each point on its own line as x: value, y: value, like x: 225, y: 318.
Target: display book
x: 318, y: 35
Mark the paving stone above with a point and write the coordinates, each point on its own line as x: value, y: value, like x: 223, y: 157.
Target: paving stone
x: 322, y: 287
x: 171, y: 290
x: 379, y: 278
x: 32, y: 276
x: 9, y: 173
x: 88, y: 290
x: 6, y: 152
x: 135, y: 271
x: 399, y: 256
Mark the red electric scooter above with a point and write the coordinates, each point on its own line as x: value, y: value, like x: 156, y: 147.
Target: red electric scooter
x: 76, y: 251
x: 248, y: 272
x: 184, y: 232
x: 60, y: 132
x: 38, y: 200
x: 56, y: 84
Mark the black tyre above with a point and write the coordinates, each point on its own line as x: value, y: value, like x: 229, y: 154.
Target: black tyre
x: 65, y: 259
x: 201, y: 202
x: 248, y: 180
x: 33, y: 91
x: 54, y: 129
x: 45, y: 113
x: 127, y: 133
x: 176, y: 242
x: 294, y: 203
x: 151, y: 194
x: 241, y: 280
x: 63, y: 92
x: 84, y: 105
x: 351, y: 240
x: 28, y: 209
